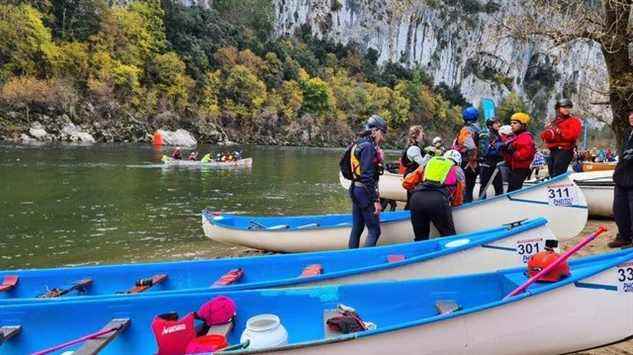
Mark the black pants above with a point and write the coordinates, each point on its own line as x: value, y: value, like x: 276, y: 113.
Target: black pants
x: 471, y: 179
x: 559, y: 160
x: 623, y: 211
x: 430, y: 206
x: 517, y: 177
x: 487, y: 170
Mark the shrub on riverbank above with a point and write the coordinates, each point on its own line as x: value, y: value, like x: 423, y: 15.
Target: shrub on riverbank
x: 124, y: 71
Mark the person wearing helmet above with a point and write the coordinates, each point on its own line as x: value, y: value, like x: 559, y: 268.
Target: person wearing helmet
x: 441, y: 188
x: 467, y: 144
x: 437, y: 148
x: 519, y: 151
x: 491, y: 157
x: 365, y: 162
x: 623, y: 193
x: 412, y: 156
x: 560, y: 137
x: 176, y: 154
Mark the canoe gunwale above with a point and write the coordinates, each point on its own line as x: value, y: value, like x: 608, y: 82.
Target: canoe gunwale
x: 604, y: 266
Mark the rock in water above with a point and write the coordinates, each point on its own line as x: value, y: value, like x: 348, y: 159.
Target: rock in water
x: 179, y: 137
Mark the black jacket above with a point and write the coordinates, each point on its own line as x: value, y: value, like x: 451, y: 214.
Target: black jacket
x: 623, y: 174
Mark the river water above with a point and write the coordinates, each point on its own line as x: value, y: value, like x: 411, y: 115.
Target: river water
x: 73, y: 205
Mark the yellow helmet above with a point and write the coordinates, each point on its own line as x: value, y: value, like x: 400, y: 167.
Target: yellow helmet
x: 521, y: 117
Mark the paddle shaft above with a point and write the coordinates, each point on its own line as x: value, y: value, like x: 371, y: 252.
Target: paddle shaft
x: 492, y: 178
x: 560, y: 259
x: 76, y: 341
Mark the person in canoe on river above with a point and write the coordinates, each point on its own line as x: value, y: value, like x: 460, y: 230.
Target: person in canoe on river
x: 365, y: 163
x: 442, y: 186
x: 177, y: 154
x: 193, y: 156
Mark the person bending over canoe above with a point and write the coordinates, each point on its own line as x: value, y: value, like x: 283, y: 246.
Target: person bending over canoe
x: 560, y: 136
x: 519, y: 151
x: 623, y: 193
x: 412, y: 156
x: 176, y: 154
x: 365, y: 163
x: 431, y: 201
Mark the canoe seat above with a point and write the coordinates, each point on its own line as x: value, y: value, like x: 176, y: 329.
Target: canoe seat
x: 145, y: 284
x: 447, y: 306
x: 9, y: 282
x: 395, y: 258
x: 222, y: 329
x: 312, y: 270
x: 309, y: 225
x: 9, y: 331
x: 278, y: 227
x: 230, y: 277
x: 80, y: 286
x: 95, y: 345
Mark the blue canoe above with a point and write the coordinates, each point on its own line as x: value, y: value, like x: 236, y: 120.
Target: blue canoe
x: 476, y: 252
x: 454, y: 315
x: 559, y: 200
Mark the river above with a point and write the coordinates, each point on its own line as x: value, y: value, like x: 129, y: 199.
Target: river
x: 74, y: 205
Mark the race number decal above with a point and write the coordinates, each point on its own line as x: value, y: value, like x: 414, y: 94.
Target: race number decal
x: 528, y: 247
x: 562, y: 195
x: 625, y: 277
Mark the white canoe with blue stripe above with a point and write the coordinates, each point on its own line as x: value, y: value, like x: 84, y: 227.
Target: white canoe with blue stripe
x: 559, y: 200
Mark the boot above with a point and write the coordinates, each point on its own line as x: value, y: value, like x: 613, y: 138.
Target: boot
x: 618, y: 242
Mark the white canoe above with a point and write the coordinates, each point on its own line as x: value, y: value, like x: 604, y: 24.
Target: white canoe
x: 389, y: 185
x: 242, y: 163
x: 598, y: 189
x: 567, y: 217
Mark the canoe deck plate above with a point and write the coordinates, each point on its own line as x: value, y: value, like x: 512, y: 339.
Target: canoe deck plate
x: 93, y: 346
x: 447, y: 306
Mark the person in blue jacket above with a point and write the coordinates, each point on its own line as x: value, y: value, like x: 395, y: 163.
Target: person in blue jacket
x: 366, y: 163
x: 491, y: 156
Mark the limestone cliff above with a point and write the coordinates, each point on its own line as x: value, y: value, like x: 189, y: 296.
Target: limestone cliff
x: 460, y: 43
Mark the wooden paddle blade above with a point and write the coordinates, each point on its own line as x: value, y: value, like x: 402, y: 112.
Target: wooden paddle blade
x: 93, y: 346
x: 146, y: 284
x: 9, y: 283
x: 9, y: 331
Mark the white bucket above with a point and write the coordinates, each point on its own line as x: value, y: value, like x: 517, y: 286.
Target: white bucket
x: 264, y: 331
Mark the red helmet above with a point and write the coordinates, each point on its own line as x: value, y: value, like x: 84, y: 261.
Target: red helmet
x: 541, y: 260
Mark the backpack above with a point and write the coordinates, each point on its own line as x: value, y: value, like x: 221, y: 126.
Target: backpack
x: 345, y: 164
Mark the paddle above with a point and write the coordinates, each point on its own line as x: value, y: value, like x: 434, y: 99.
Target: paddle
x: 79, y: 286
x: 560, y: 259
x: 492, y: 178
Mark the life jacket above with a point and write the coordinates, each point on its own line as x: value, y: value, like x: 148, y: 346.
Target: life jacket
x: 350, y: 164
x: 407, y: 164
x: 437, y: 170
x: 173, y: 336
x: 461, y: 142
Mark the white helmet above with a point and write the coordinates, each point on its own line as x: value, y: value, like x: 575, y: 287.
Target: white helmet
x: 454, y: 156
x: 437, y: 140
x: 506, y: 130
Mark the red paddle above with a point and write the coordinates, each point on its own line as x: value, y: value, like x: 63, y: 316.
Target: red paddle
x: 560, y: 259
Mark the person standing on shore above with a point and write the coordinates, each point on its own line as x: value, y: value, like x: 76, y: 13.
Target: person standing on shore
x: 560, y: 136
x: 623, y: 193
x: 412, y: 156
x: 519, y: 151
x: 491, y: 157
x: 365, y: 161
x: 467, y: 144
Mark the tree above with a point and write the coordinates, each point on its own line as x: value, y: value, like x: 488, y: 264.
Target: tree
x: 607, y: 23
x: 77, y: 19
x: 510, y: 105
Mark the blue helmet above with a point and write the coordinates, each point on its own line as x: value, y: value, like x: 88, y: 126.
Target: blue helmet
x: 470, y: 114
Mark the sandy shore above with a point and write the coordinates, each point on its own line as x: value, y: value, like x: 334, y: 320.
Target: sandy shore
x: 599, y: 246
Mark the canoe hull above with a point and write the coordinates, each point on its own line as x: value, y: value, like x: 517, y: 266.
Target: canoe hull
x: 242, y: 163
x: 558, y: 322
x: 565, y: 222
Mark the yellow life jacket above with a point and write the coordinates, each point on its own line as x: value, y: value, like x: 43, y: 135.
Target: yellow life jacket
x: 355, y: 163
x: 437, y: 170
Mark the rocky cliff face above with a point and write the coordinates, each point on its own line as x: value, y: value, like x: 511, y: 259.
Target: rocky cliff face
x: 460, y: 43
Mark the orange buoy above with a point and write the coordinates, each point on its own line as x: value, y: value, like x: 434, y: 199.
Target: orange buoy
x: 157, y: 138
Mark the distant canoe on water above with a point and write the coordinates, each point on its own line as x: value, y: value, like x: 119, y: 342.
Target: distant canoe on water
x: 241, y: 163
x: 488, y: 250
x: 456, y: 315
x: 558, y: 200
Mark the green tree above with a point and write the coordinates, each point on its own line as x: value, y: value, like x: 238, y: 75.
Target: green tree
x: 76, y: 20
x: 510, y: 105
x: 317, y: 96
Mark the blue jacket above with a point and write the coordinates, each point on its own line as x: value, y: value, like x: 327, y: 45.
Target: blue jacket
x: 492, y: 146
x: 366, y: 153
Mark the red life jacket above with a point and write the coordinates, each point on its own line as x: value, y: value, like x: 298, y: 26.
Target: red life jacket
x: 562, y: 133
x: 523, y: 151
x: 173, y: 336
